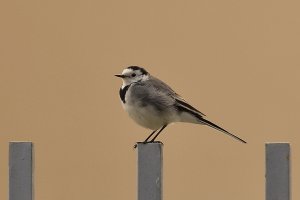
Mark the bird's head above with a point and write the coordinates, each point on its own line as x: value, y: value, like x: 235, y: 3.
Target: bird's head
x: 133, y: 74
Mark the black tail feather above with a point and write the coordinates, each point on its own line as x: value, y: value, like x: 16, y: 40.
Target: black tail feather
x: 195, y: 113
x: 209, y: 123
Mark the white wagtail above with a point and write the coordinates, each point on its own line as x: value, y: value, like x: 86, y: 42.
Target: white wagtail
x: 154, y: 105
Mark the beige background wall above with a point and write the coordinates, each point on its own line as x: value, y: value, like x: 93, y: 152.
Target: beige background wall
x: 236, y: 61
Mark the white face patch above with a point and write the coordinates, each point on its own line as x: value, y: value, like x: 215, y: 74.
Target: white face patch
x: 132, y: 76
x: 126, y: 71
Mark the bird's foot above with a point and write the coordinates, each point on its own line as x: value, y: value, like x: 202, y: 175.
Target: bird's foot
x: 146, y: 142
x: 135, y: 146
x: 159, y: 142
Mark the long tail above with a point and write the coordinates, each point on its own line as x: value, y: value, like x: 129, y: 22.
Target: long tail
x: 184, y: 107
x: 209, y: 123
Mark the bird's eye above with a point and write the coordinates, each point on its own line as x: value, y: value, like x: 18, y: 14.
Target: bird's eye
x: 133, y: 75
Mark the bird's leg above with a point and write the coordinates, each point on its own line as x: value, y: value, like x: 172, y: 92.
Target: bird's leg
x: 162, y: 128
x: 149, y: 136
x: 146, y: 141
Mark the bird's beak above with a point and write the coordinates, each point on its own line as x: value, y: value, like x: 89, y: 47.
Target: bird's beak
x: 120, y: 75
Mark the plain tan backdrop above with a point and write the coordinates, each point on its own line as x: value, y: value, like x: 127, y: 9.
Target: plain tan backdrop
x: 236, y: 61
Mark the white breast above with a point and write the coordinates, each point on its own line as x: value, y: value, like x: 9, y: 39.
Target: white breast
x: 145, y: 116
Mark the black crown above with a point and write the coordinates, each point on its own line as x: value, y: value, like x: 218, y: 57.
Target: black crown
x: 138, y: 68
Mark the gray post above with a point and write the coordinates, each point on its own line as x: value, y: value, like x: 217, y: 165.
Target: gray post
x: 277, y: 171
x: 150, y: 171
x: 20, y: 171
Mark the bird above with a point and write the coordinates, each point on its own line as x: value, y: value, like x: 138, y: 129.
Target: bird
x: 154, y: 105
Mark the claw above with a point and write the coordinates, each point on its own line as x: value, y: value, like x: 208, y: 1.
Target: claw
x: 146, y: 142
